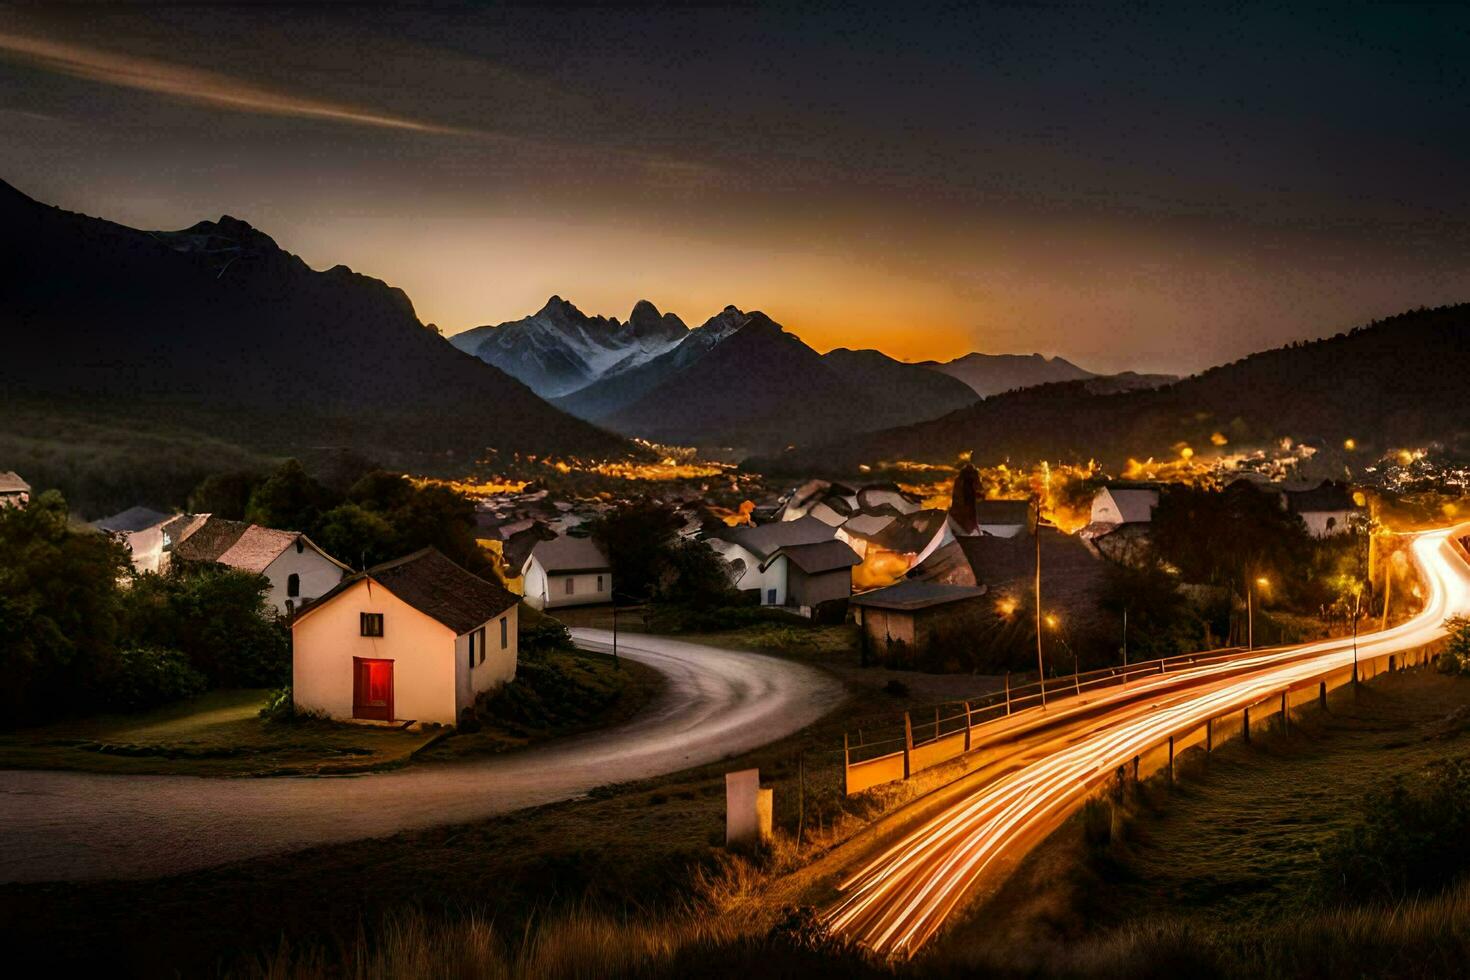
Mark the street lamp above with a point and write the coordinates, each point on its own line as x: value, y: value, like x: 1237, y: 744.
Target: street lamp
x: 1056, y: 627
x: 1250, y: 609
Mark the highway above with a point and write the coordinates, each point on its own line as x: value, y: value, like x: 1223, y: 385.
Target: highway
x: 895, y: 902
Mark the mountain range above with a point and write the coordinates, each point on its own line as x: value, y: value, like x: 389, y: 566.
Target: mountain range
x: 992, y: 374
x: 739, y: 380
x: 1393, y: 383
x: 217, y: 328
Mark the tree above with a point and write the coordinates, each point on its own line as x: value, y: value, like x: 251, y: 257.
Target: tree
x: 223, y: 495
x: 356, y: 535
x: 289, y: 499
x: 59, y: 598
x: 650, y: 560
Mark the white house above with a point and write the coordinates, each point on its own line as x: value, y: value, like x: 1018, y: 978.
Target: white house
x: 14, y: 492
x: 298, y: 570
x: 1326, y: 509
x: 1124, y: 505
x: 747, y: 550
x: 150, y: 535
x: 567, y: 571
x: 415, y: 639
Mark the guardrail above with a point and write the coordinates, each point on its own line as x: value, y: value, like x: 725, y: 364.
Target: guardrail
x: 918, y: 745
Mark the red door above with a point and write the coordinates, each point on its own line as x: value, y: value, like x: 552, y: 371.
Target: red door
x: 372, y: 689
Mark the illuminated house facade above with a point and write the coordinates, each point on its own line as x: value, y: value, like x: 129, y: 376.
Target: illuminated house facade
x: 417, y: 639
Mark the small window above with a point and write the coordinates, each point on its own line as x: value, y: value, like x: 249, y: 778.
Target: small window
x: 372, y: 624
x: 571, y: 589
x: 599, y: 583
x: 770, y: 597
x: 481, y: 645
x: 504, y: 633
x: 472, y: 650
x: 293, y: 585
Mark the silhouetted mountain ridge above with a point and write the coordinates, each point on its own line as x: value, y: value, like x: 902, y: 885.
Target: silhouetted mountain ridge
x: 217, y: 319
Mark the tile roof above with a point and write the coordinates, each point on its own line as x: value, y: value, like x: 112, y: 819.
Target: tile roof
x: 823, y: 556
x: 911, y: 595
x: 10, y: 482
x: 254, y: 550
x: 763, y: 540
x: 210, y: 540
x: 435, y: 586
x: 1327, y: 496
x: 132, y: 519
x: 569, y: 553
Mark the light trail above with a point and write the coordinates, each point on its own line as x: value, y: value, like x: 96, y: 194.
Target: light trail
x: 896, y: 902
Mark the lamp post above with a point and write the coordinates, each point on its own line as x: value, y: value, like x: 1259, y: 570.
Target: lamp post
x: 1357, y: 598
x: 1250, y: 609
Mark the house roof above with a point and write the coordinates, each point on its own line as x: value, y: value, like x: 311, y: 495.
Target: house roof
x: 516, y: 550
x: 911, y: 533
x: 10, y: 482
x: 867, y: 525
x: 210, y: 540
x: 1135, y: 505
x: 814, y: 559
x: 911, y: 595
x: 435, y: 586
x: 1328, y: 496
x: 132, y: 519
x: 763, y: 540
x: 1016, y: 512
x: 567, y: 554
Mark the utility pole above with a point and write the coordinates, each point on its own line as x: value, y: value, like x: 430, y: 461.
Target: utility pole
x: 1040, y: 662
x: 1250, y: 616
x: 1357, y: 598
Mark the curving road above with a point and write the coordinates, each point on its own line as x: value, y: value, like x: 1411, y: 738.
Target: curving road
x: 899, y: 898
x: 717, y: 703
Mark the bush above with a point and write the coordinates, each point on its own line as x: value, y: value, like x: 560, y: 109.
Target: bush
x: 1412, y: 839
x: 1455, y: 658
x: 538, y: 634
x: 281, y: 706
x: 146, y: 677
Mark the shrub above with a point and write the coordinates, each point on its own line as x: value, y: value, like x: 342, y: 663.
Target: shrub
x: 1412, y: 838
x: 146, y: 677
x: 1455, y: 658
x: 537, y: 634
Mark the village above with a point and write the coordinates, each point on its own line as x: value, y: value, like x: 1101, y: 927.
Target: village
x: 943, y: 585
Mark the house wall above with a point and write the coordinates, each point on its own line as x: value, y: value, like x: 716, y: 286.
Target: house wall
x: 421, y: 648
x: 883, y: 625
x: 549, y: 591
x: 147, y: 549
x: 500, y: 662
x: 318, y: 574
x: 774, y: 577
x: 1323, y: 524
x: 809, y: 590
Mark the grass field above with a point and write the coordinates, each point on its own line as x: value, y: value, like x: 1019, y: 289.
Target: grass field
x: 217, y: 734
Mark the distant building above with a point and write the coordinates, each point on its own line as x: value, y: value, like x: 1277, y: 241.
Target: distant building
x: 901, y: 622
x: 809, y: 576
x: 417, y: 639
x: 750, y: 550
x: 830, y: 503
x: 1326, y: 509
x: 1124, y: 505
x: 298, y: 570
x: 14, y: 492
x: 567, y: 571
x: 150, y: 536
x: 970, y: 514
x: 898, y: 545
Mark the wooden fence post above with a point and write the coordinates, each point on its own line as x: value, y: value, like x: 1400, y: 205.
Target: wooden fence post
x: 936, y: 722
x: 1135, y: 768
x: 1171, y: 760
x: 846, y: 767
x: 1008, y: 693
x: 1245, y: 726
x: 1322, y: 695
x: 1209, y: 735
x: 908, y: 743
x: 1285, y: 713
x: 967, y: 726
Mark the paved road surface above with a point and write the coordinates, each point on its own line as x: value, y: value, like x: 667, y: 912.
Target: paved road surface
x: 895, y: 902
x: 59, y: 825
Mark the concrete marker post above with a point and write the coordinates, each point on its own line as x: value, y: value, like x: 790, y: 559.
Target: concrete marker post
x: 908, y: 743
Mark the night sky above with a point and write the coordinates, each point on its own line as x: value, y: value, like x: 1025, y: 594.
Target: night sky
x: 1159, y: 189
